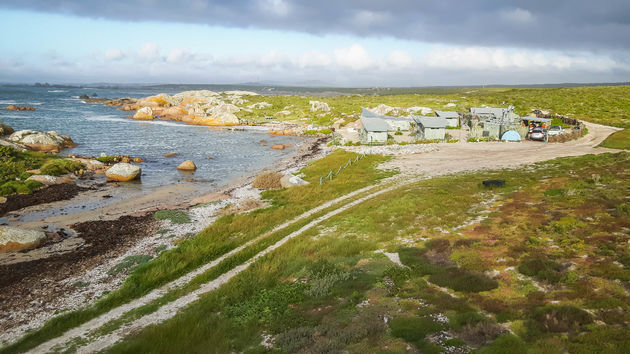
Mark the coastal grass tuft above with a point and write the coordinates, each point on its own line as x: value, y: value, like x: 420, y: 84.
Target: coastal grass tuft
x: 60, y: 167
x: 268, y: 181
x: 174, y: 216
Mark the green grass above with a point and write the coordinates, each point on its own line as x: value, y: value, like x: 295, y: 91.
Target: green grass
x: 129, y: 263
x: 60, y: 167
x: 618, y: 140
x: 274, y: 295
x: 175, y: 216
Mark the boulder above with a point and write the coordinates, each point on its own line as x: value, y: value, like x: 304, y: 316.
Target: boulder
x: 260, y: 105
x: 40, y: 141
x: 171, y: 154
x: 5, y: 129
x: 278, y: 146
x: 144, y: 113
x: 319, y: 106
x: 123, y: 172
x: 289, y: 181
x: 382, y: 109
x: 13, y: 107
x: 187, y: 165
x: 92, y: 165
x: 13, y: 239
x: 51, y: 180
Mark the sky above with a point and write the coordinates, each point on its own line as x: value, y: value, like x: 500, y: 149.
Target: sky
x: 352, y: 43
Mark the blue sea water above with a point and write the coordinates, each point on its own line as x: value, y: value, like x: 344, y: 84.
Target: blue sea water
x: 220, y: 155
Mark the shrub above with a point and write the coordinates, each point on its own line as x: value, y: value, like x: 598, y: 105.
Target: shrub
x: 21, y: 187
x: 543, y: 269
x: 561, y: 318
x: 175, y: 216
x: 462, y: 280
x: 295, y: 339
x: 60, y: 167
x: 399, y: 275
x: 268, y: 181
x: 398, y: 133
x: 470, y: 318
x: 481, y: 333
x: 107, y: 159
x: 268, y: 304
x: 413, y: 329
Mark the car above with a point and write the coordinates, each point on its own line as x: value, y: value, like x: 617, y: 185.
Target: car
x: 538, y: 134
x: 555, y: 130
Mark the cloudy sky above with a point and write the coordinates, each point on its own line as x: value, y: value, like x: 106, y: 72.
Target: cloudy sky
x: 330, y: 42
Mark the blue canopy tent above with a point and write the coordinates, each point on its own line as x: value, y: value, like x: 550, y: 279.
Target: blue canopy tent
x: 511, y: 135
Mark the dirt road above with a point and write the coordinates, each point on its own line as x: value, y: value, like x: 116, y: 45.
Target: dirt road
x: 459, y: 157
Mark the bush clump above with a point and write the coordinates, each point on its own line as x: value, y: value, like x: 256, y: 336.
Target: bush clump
x: 60, y: 167
x: 561, y: 318
x: 462, y: 280
x: 542, y: 269
x: 413, y: 329
x: 20, y: 187
x: 268, y: 181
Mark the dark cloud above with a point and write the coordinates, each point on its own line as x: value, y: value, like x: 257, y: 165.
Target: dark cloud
x: 552, y: 24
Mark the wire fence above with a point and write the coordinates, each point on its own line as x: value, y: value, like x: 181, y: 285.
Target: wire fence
x: 333, y: 174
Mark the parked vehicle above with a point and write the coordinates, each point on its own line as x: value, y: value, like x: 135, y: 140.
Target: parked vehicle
x: 555, y: 130
x: 538, y: 134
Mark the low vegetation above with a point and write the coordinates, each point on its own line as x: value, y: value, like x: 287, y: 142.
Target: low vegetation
x: 618, y: 140
x: 549, y: 267
x: 607, y: 105
x: 174, y: 216
x: 268, y: 181
x: 14, y: 164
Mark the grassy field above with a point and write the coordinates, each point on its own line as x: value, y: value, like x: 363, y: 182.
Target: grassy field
x: 227, y: 233
x: 545, y: 257
x: 609, y: 105
x: 618, y: 140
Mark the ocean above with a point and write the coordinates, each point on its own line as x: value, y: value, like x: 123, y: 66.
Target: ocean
x: 220, y: 155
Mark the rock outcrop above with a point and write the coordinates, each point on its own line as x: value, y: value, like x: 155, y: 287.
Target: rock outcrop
x: 187, y: 165
x: 51, y: 180
x: 319, y: 106
x: 13, y: 239
x: 123, y: 172
x: 40, y: 141
x: 5, y: 129
x: 13, y: 107
x: 144, y: 113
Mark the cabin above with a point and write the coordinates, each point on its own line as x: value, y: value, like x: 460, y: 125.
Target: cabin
x: 395, y: 123
x: 373, y: 131
x: 452, y: 117
x: 430, y: 128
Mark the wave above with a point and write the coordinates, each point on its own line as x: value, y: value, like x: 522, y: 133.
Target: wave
x: 21, y: 103
x: 57, y: 91
x: 14, y: 116
x: 169, y: 124
x: 107, y: 118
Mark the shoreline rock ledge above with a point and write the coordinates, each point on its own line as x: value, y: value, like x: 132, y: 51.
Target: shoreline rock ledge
x: 123, y: 172
x: 40, y: 141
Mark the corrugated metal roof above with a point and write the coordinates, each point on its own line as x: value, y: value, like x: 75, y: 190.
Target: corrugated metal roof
x: 374, y: 124
x: 447, y: 114
x: 431, y: 122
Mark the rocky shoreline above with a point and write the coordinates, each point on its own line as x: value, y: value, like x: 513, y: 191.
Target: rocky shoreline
x: 88, y: 250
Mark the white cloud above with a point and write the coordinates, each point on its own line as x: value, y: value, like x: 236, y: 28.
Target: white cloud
x: 272, y: 58
x: 179, y: 56
x: 149, y: 51
x: 114, y: 54
x: 355, y: 57
x: 517, y: 15
x: 313, y: 59
x: 400, y: 59
x: 482, y: 58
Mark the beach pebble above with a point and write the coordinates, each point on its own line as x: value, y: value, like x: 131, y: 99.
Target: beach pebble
x: 187, y: 165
